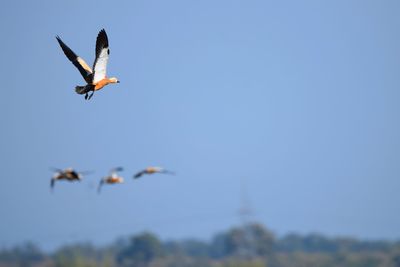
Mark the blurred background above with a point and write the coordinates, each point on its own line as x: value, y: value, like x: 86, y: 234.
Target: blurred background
x: 287, y: 111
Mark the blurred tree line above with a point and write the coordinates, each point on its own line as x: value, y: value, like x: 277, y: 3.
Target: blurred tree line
x: 249, y: 246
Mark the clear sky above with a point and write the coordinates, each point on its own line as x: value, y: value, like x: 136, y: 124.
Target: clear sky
x: 298, y: 100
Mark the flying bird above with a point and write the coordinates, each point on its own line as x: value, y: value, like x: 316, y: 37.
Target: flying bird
x: 96, y: 79
x: 112, y: 178
x: 68, y: 174
x: 151, y: 170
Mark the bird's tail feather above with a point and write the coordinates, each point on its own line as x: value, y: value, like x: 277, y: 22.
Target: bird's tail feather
x: 80, y: 90
x: 83, y: 89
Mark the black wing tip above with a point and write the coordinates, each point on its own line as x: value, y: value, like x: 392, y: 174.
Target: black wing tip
x: 102, y: 32
x: 118, y: 169
x: 52, y: 182
x: 59, y: 39
x: 102, y: 38
x: 67, y: 51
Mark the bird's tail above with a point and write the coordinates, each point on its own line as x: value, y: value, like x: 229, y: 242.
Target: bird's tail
x: 80, y: 90
x: 83, y: 89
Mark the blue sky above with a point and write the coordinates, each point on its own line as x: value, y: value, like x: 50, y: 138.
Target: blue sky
x: 298, y: 100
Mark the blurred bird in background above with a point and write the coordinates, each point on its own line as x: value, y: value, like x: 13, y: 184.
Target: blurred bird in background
x: 152, y: 170
x: 112, y: 178
x: 68, y: 174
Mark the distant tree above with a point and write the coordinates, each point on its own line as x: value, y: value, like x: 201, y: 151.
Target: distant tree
x: 27, y: 254
x: 78, y: 255
x: 320, y: 243
x: 262, y: 240
x: 309, y: 243
x: 195, y: 248
x: 190, y: 247
x: 228, y: 243
x: 290, y: 243
x: 173, y: 248
x: 252, y: 240
x: 317, y: 242
x: 235, y: 241
x: 140, y: 251
x: 249, y: 246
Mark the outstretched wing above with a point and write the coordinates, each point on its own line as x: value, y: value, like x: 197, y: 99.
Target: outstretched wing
x: 102, y: 52
x: 78, y: 62
x: 137, y: 175
x: 116, y: 169
x: 100, y: 185
x: 55, y: 169
x: 52, y: 183
x: 168, y: 172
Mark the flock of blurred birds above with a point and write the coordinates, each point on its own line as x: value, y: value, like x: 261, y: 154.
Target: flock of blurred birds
x: 71, y: 175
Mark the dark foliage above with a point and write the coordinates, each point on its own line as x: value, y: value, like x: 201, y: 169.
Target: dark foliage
x: 250, y: 246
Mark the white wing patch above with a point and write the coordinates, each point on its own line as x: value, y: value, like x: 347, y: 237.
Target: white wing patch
x: 100, y: 67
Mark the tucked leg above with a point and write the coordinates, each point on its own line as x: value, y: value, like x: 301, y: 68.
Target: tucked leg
x: 91, y: 95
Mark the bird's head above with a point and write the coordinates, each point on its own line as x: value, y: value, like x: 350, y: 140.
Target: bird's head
x: 113, y: 80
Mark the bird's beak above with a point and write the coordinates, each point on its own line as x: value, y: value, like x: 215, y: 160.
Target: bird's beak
x: 117, y: 81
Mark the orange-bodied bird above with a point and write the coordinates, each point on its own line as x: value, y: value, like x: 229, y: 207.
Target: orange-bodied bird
x: 96, y: 78
x: 151, y: 170
x: 68, y: 174
x: 113, y: 178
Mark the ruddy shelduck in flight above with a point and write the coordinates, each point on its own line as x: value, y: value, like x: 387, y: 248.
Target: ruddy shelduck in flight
x: 96, y: 79
x: 113, y: 178
x: 152, y: 170
x: 68, y: 174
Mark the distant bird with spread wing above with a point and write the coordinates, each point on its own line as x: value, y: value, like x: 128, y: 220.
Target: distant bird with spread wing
x: 151, y: 170
x: 68, y: 174
x: 112, y: 178
x: 96, y: 79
